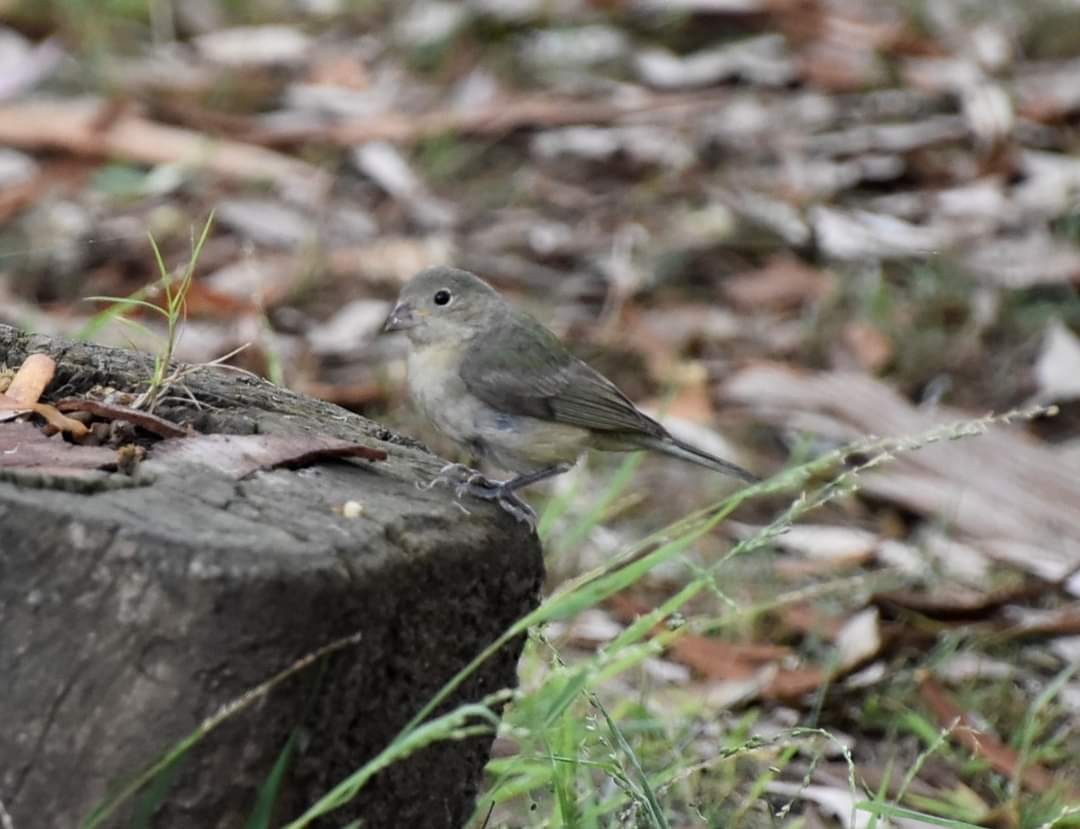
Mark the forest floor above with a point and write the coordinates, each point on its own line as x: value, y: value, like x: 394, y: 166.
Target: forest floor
x: 781, y: 225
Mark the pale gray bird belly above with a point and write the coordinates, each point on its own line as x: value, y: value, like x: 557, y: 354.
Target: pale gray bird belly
x: 512, y: 442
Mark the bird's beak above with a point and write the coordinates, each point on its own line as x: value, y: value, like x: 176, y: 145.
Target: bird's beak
x: 401, y: 318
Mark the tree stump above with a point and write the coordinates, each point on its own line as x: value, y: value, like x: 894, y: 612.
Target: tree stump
x: 129, y: 614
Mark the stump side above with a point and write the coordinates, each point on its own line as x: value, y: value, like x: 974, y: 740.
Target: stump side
x: 127, y: 616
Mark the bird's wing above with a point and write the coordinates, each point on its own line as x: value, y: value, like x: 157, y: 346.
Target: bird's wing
x: 521, y: 368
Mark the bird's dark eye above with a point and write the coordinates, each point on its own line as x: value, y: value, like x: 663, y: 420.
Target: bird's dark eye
x: 443, y: 297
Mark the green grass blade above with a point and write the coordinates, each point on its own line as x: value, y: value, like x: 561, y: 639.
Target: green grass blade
x: 574, y: 686
x: 268, y: 791
x: 893, y: 811
x: 124, y: 303
x: 96, y: 324
x: 163, y: 271
x: 1030, y: 727
x: 622, y: 478
x: 563, y: 774
x: 154, y: 795
x: 454, y: 725
x: 656, y: 815
x: 105, y: 809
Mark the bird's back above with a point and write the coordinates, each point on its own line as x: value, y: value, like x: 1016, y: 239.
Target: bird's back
x: 520, y: 367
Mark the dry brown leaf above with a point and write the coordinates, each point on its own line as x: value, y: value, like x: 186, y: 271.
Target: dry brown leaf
x: 14, y: 197
x: 763, y: 60
x: 713, y: 658
x: 25, y: 446
x: 1013, y: 495
x: 267, y: 45
x: 957, y: 604
x: 662, y: 335
x: 1048, y: 91
x: 59, y: 421
x: 241, y: 455
x: 859, y: 235
x: 393, y: 258
x: 870, y: 347
x: 806, y: 618
x: 110, y: 411
x: 627, y: 606
x: 692, y: 402
x: 498, y: 119
x: 716, y: 659
x: 792, y: 684
x: 72, y: 125
x: 384, y: 164
x: 859, y: 640
x: 820, y: 548
x: 255, y: 281
x: 589, y: 629
x: 744, y: 671
x: 1035, y: 778
x: 27, y: 386
x: 351, y: 328
x: 202, y: 301
x: 1064, y: 622
x: 799, y: 570
x: 821, y: 541
x: 783, y: 284
x: 836, y: 67
x: 1015, y: 262
x: 341, y: 69
x: 836, y: 801
x: 30, y: 381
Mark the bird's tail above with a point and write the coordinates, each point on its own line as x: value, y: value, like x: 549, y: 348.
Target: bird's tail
x: 671, y: 445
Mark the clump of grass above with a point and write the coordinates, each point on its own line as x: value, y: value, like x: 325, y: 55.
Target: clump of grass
x: 173, y: 288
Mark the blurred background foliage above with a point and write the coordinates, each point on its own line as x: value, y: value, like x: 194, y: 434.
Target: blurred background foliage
x: 785, y: 224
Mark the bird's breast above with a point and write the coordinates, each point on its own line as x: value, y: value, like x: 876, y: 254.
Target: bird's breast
x: 514, y: 442
x: 437, y: 391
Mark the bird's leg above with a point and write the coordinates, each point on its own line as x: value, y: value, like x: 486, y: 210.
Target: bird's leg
x: 466, y: 481
x: 504, y: 492
x: 530, y: 478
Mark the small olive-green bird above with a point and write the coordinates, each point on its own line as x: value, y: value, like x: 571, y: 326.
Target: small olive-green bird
x: 499, y: 383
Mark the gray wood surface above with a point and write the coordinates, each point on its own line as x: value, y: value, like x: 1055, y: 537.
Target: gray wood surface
x: 127, y: 615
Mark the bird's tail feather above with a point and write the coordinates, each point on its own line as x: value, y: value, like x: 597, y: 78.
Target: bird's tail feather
x: 671, y: 445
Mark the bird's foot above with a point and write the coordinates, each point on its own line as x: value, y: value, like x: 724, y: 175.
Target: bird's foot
x: 462, y: 479
x: 453, y: 474
x: 466, y: 481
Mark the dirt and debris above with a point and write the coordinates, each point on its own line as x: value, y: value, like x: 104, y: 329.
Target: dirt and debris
x: 103, y: 434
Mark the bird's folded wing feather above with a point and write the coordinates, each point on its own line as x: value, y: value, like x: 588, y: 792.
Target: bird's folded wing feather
x: 521, y: 368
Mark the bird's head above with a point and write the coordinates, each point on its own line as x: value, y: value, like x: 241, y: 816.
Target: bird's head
x: 444, y: 304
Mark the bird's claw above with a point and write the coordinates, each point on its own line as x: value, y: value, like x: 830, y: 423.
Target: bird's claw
x: 521, y: 511
x: 453, y: 474
x: 480, y: 487
x: 466, y: 481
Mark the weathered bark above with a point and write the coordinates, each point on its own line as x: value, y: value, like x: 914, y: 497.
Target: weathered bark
x: 127, y: 615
